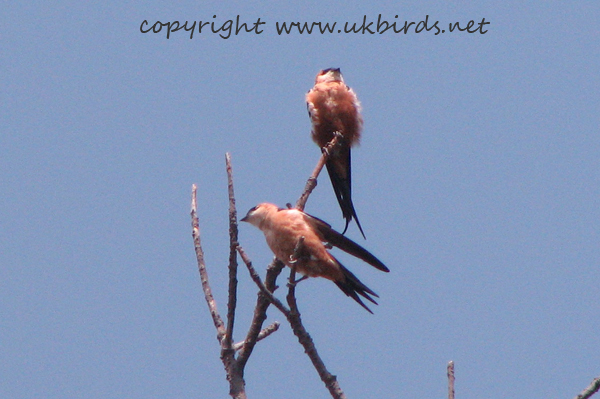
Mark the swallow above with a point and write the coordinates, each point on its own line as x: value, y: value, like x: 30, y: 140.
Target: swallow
x: 284, y: 227
x: 333, y: 107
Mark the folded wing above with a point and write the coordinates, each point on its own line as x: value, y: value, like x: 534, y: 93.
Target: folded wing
x: 342, y: 242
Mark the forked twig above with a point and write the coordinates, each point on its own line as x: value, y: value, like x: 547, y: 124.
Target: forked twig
x: 237, y: 386
x: 235, y: 366
x: 260, y: 311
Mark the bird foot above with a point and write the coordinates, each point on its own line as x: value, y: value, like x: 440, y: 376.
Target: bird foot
x: 296, y: 281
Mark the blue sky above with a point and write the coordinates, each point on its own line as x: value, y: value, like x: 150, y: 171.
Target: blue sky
x: 477, y: 183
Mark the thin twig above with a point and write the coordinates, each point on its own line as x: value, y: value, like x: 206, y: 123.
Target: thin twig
x: 264, y: 333
x: 450, y: 373
x: 311, y: 183
x: 307, y: 343
x: 590, y: 390
x: 210, y: 300
x: 233, y: 242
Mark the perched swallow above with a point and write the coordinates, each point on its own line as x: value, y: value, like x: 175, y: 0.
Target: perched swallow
x: 333, y: 107
x: 283, y: 229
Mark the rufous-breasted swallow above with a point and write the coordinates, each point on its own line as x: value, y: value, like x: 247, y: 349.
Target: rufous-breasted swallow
x: 284, y: 227
x: 334, y: 107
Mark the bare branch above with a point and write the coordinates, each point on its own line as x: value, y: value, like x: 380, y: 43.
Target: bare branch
x: 210, y: 300
x: 304, y: 337
x: 450, y: 373
x: 264, y: 333
x: 311, y: 183
x: 233, y: 242
x: 307, y: 343
x: 590, y: 390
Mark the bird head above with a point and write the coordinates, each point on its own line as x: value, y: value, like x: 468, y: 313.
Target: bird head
x: 329, y: 75
x: 257, y: 215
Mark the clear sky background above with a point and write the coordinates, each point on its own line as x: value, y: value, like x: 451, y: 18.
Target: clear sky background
x: 477, y: 183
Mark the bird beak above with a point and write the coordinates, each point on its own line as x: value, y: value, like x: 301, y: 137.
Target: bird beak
x: 244, y: 219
